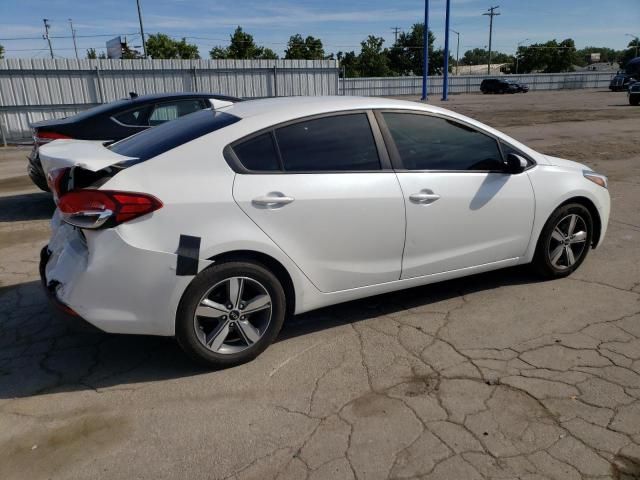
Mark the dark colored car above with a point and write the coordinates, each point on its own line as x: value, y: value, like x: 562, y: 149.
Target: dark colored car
x: 634, y: 94
x: 499, y: 85
x: 115, y: 121
x: 621, y: 82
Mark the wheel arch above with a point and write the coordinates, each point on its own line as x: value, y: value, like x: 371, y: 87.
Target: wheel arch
x: 277, y: 268
x: 595, y: 216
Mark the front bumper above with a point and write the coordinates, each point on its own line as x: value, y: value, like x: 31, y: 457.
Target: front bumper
x: 111, y: 284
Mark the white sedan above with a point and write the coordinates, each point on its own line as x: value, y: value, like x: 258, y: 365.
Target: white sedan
x: 215, y: 227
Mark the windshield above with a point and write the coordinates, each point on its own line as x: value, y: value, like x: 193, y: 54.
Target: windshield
x: 154, y: 141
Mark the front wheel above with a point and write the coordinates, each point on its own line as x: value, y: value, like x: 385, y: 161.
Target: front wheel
x: 230, y: 313
x: 564, y: 242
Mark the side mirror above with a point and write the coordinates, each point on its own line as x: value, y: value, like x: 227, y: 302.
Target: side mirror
x: 515, y: 163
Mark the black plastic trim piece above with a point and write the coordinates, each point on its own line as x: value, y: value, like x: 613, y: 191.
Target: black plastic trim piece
x: 188, y: 255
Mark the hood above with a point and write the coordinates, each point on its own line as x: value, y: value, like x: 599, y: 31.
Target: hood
x: 561, y: 162
x: 87, y: 154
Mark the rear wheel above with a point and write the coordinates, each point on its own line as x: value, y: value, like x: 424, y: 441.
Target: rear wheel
x: 230, y: 314
x: 564, y: 242
x: 634, y: 101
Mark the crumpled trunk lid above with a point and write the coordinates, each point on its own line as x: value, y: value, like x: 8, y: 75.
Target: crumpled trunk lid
x: 87, y: 154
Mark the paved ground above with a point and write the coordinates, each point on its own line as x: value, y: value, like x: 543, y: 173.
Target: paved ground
x: 494, y: 376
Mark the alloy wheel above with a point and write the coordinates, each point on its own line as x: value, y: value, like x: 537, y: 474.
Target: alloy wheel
x: 233, y: 315
x: 568, y: 242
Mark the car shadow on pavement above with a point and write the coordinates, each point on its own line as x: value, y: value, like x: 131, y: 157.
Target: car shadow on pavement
x: 396, y: 302
x: 42, y: 353
x: 27, y: 206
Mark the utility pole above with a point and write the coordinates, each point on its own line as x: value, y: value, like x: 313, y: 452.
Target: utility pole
x: 46, y: 35
x: 457, y: 50
x: 144, y: 44
x: 425, y: 51
x: 445, y: 77
x: 73, y: 34
x: 395, y: 31
x: 491, y: 13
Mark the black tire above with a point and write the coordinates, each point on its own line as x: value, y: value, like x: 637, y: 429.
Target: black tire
x: 634, y: 101
x: 214, y: 275
x: 547, y: 243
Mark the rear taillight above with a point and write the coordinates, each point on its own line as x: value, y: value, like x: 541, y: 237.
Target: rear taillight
x: 105, y: 208
x: 56, y: 179
x: 41, y: 137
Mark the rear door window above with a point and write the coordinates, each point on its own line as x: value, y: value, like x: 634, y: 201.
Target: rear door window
x: 136, y: 117
x: 334, y: 143
x: 167, y: 111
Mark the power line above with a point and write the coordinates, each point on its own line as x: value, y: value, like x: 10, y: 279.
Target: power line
x: 67, y: 36
x: 491, y: 13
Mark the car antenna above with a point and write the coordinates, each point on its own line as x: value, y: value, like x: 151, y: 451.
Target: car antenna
x: 133, y: 95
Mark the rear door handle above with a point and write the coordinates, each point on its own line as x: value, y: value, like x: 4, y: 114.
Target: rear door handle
x: 424, y: 197
x: 271, y: 200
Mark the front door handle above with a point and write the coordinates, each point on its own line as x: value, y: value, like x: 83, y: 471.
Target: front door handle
x: 424, y: 197
x: 272, y: 200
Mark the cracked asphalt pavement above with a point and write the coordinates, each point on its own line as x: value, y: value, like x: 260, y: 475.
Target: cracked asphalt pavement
x: 495, y: 376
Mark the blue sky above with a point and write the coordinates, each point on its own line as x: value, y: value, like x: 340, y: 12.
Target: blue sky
x: 340, y: 24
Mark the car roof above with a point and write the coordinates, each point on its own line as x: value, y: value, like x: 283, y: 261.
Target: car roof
x: 282, y: 109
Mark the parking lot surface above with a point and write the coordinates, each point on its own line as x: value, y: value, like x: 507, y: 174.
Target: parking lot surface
x: 498, y: 375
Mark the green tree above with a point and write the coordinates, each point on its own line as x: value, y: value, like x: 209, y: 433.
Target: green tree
x: 1, y: 52
x: 160, y: 45
x: 480, y: 56
x: 92, y: 55
x: 309, y: 48
x: 608, y: 55
x: 549, y: 57
x: 631, y: 52
x: 373, y: 60
x: 242, y: 46
x: 349, y: 62
x: 406, y: 55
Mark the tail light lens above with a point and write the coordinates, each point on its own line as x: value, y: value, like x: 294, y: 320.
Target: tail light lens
x: 41, y: 137
x: 104, y: 208
x: 57, y: 179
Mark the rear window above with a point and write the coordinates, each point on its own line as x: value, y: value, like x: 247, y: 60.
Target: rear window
x: 154, y: 141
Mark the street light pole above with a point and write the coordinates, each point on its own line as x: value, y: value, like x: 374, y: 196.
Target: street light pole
x: 425, y: 48
x: 517, y: 55
x: 445, y: 77
x: 457, y: 50
x: 144, y: 44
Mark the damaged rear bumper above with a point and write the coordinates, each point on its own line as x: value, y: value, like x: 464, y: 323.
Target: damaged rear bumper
x: 110, y: 283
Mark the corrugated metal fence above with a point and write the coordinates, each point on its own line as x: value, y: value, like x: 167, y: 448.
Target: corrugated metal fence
x: 391, y: 86
x: 37, y: 89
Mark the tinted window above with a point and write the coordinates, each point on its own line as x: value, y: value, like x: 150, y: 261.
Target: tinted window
x: 335, y: 143
x: 154, y: 141
x: 136, y: 116
x: 172, y: 110
x: 258, y: 153
x: 431, y: 143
